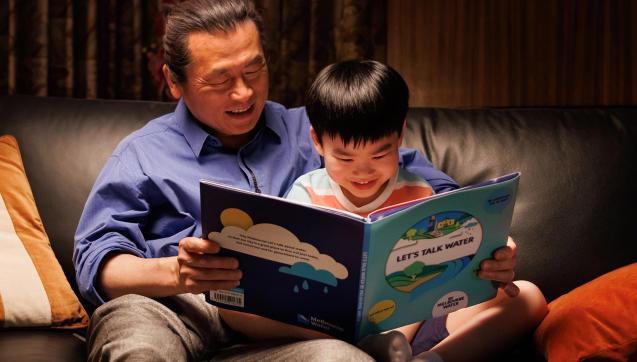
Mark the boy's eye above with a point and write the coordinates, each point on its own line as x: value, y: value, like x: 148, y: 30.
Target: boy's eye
x: 342, y: 159
x: 378, y: 157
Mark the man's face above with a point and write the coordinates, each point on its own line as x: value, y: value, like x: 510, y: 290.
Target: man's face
x: 227, y: 82
x: 362, y: 171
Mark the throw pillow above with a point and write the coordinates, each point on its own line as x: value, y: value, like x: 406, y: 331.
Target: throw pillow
x: 596, y: 321
x: 34, y: 291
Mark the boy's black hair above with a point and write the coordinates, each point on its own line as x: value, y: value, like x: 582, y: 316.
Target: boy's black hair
x: 357, y: 100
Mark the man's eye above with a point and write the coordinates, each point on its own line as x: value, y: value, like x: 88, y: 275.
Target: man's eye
x: 252, y: 75
x: 253, y: 72
x: 220, y: 82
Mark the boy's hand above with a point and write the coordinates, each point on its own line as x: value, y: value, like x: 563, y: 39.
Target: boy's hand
x: 500, y: 268
x: 199, y: 269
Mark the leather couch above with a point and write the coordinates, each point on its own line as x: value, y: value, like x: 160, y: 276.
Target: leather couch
x: 573, y: 218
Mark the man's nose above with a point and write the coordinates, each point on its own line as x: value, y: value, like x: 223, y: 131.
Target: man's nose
x: 241, y: 91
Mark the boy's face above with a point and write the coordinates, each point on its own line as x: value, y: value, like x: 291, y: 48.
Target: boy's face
x: 362, y: 171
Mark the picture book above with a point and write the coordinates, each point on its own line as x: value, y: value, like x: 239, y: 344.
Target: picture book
x: 349, y: 276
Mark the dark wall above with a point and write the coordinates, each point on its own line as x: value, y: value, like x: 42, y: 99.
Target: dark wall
x: 459, y: 53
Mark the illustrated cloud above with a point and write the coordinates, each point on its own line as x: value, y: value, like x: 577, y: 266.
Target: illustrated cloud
x: 305, y: 270
x: 273, y: 242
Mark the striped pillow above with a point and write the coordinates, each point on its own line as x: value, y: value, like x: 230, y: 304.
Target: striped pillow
x: 33, y: 289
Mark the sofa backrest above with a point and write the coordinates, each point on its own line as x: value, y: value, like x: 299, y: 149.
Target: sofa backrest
x: 573, y: 217
x: 574, y: 213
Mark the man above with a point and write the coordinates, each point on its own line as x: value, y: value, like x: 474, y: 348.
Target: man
x: 137, y: 248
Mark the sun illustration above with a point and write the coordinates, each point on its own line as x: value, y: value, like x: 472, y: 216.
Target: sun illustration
x: 235, y: 217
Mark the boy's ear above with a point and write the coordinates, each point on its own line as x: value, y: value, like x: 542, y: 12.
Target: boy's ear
x: 316, y: 141
x: 175, y: 89
x: 402, y: 133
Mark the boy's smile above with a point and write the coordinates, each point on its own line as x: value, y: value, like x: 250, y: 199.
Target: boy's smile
x: 362, y: 171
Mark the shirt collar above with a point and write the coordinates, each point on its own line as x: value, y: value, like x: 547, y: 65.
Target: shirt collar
x: 189, y: 127
x: 196, y: 136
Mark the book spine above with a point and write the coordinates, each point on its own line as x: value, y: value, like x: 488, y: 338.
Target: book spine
x: 362, y: 280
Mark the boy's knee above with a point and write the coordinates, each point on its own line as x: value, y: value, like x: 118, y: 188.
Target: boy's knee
x: 531, y: 300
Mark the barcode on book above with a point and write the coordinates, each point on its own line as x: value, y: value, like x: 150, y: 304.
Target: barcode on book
x: 230, y: 297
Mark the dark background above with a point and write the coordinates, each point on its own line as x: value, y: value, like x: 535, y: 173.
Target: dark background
x: 453, y: 53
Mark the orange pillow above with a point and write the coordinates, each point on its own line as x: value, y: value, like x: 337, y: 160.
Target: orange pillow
x: 596, y: 321
x: 34, y: 291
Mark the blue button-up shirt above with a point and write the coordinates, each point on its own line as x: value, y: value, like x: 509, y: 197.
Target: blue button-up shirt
x: 146, y: 198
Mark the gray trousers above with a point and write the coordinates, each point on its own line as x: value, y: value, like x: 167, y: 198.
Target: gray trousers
x: 186, y: 328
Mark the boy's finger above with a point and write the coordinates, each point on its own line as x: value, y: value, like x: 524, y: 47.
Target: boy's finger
x: 497, y: 265
x: 505, y: 252
x: 505, y: 276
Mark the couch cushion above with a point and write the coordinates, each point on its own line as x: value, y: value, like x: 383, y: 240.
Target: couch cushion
x: 33, y: 288
x: 42, y: 345
x: 597, y: 320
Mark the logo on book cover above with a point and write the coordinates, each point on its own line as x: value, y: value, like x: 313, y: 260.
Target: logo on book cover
x: 432, y: 251
x: 302, y: 319
x: 450, y: 302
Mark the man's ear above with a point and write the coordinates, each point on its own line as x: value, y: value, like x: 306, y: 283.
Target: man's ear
x: 316, y: 141
x: 175, y: 89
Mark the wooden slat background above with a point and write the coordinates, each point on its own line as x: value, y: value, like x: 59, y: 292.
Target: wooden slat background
x: 473, y: 53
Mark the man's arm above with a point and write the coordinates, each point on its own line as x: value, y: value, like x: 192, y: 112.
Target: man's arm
x: 112, y: 256
x: 196, y: 269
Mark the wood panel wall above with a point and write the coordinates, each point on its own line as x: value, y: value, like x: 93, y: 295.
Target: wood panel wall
x: 475, y: 53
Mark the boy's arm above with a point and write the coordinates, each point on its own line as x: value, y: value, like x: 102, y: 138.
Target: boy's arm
x: 416, y: 163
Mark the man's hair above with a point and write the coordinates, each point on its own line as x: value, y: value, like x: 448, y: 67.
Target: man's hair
x: 209, y: 16
x: 357, y: 100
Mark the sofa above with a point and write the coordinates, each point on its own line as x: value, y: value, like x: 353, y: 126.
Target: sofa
x: 573, y: 220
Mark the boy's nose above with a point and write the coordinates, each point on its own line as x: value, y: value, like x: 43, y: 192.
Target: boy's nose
x: 363, y: 168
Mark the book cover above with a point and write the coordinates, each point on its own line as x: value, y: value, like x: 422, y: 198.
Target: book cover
x: 349, y: 276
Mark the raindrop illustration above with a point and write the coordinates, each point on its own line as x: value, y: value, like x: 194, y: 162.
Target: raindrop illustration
x: 325, y: 290
x: 296, y: 289
x: 305, y: 285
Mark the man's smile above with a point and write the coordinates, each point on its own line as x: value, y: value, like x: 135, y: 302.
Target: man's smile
x: 240, y: 111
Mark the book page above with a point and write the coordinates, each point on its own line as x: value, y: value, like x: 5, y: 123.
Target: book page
x: 301, y: 265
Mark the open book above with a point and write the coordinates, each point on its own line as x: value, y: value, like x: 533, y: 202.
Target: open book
x: 349, y: 276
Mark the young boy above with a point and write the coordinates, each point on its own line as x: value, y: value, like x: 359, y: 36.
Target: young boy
x: 357, y: 110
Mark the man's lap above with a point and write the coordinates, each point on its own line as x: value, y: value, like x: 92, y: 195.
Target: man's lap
x: 185, y: 327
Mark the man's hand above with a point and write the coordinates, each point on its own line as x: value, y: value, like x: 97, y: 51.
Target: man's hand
x: 500, y: 268
x: 200, y: 269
